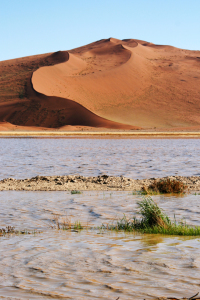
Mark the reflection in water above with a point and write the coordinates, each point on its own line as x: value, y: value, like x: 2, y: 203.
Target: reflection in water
x: 134, y: 158
x: 152, y: 240
x: 92, y: 264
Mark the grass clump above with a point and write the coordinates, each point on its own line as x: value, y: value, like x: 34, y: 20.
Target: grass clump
x: 66, y: 224
x: 153, y: 221
x: 165, y: 186
x: 11, y: 230
x: 123, y: 224
x: 152, y: 215
x: 75, y: 192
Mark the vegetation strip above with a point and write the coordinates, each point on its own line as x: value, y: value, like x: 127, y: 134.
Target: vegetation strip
x: 173, y: 298
x: 12, y: 230
x: 153, y: 221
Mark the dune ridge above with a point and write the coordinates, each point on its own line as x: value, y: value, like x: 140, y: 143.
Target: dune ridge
x: 52, y: 112
x: 111, y: 83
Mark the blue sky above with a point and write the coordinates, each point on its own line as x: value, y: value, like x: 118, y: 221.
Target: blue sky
x: 41, y: 26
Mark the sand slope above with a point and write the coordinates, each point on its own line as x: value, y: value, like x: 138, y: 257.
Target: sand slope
x: 111, y: 83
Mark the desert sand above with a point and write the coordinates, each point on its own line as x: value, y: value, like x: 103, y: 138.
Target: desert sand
x: 114, y: 84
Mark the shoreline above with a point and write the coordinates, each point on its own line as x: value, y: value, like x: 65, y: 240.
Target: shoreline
x: 120, y: 134
x: 82, y: 183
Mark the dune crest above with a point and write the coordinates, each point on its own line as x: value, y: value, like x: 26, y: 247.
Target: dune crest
x: 111, y: 83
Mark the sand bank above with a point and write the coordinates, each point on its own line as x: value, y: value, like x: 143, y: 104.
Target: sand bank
x: 99, y: 183
x: 97, y: 133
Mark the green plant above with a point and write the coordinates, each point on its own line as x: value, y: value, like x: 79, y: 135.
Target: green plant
x: 77, y: 225
x: 153, y: 221
x: 152, y: 214
x: 75, y: 192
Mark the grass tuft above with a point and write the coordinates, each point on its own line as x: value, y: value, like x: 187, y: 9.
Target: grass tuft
x: 153, y: 221
x: 75, y: 192
x: 66, y: 224
x: 152, y: 215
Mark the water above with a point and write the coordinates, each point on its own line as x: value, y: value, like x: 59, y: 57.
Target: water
x: 92, y: 264
x: 133, y: 158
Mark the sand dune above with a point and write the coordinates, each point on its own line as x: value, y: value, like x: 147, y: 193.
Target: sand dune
x: 111, y: 83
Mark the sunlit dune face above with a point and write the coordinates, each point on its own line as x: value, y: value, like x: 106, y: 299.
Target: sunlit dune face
x: 129, y: 82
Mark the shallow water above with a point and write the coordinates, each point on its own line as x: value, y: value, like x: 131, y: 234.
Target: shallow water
x: 92, y: 264
x: 135, y: 158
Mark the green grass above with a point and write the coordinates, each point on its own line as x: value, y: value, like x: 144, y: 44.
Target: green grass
x: 146, y: 191
x: 77, y: 225
x: 153, y: 221
x: 174, y: 229
x: 75, y: 192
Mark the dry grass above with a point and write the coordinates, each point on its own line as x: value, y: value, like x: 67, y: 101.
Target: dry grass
x: 12, y: 230
x: 65, y: 223
x: 165, y: 186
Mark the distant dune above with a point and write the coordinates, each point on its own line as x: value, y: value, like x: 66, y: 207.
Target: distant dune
x: 115, y: 84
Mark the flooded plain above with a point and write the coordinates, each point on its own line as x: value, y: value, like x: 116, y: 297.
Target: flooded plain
x: 91, y: 263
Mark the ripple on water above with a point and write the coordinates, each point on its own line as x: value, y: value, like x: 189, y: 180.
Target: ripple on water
x: 134, y: 158
x: 92, y: 264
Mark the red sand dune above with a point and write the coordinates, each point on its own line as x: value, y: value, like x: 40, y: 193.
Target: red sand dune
x: 119, y: 84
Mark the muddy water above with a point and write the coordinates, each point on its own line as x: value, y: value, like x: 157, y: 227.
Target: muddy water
x: 135, y: 158
x: 92, y: 264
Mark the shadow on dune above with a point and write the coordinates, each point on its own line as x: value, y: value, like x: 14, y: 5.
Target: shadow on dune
x: 50, y: 111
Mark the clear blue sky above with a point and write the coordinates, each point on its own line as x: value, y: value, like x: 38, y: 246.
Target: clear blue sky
x: 29, y: 27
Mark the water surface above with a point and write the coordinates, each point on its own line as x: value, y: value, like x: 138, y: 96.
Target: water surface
x: 92, y: 264
x: 135, y: 158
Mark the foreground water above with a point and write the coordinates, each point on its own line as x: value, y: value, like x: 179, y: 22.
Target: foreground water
x: 92, y: 264
x: 135, y: 158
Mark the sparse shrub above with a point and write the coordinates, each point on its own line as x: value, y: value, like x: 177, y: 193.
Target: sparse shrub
x: 165, y: 186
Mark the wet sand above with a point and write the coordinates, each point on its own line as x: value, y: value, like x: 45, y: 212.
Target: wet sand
x: 82, y: 183
x: 85, y: 133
